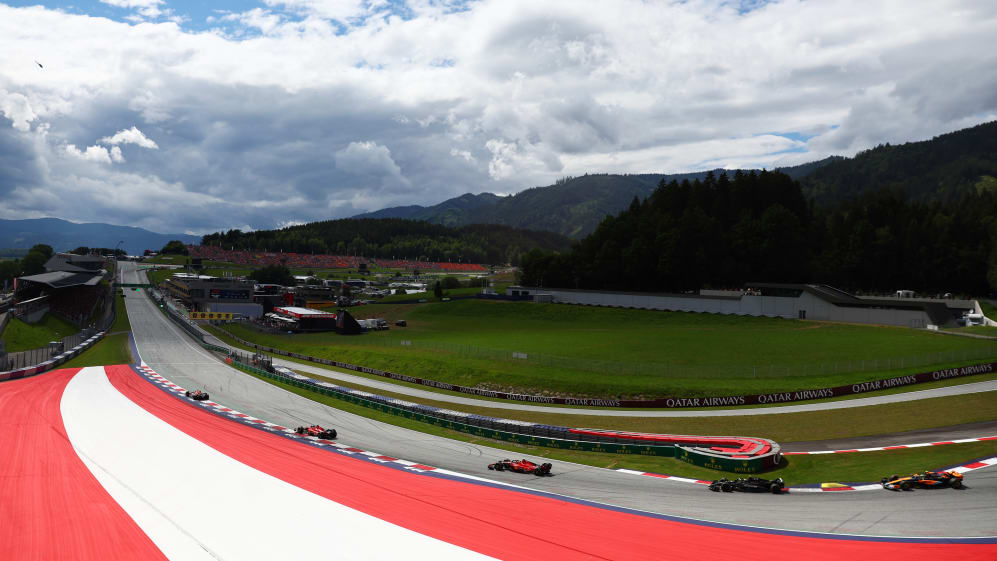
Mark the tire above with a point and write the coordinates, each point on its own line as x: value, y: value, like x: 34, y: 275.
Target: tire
x: 726, y: 487
x: 776, y: 489
x: 905, y: 486
x: 499, y: 467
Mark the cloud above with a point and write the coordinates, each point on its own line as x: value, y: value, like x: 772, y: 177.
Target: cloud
x: 145, y: 8
x: 303, y: 110
x: 130, y: 136
x: 373, y: 162
x: 16, y: 107
x: 92, y: 154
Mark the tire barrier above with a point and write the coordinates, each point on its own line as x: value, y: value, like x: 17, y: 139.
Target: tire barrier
x: 733, y: 454
x: 659, y: 403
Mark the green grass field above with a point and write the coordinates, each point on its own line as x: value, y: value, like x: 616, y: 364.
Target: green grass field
x: 795, y: 470
x: 112, y: 349
x: 22, y: 336
x: 785, y: 427
x: 575, y: 350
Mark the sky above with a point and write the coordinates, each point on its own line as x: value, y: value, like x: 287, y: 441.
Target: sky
x: 196, y: 117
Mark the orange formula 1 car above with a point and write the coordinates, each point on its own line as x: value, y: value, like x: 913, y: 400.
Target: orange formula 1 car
x: 924, y: 480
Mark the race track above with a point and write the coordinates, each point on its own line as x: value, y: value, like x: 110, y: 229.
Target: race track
x: 972, y: 512
x: 109, y: 465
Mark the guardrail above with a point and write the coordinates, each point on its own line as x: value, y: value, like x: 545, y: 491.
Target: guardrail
x: 53, y: 362
x: 35, y: 361
x: 519, y: 432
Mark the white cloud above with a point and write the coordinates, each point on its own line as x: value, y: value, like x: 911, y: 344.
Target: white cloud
x: 92, y: 154
x: 465, y: 154
x: 130, y: 136
x: 371, y: 161
x: 16, y: 107
x: 244, y: 116
x: 341, y: 10
x: 146, y: 8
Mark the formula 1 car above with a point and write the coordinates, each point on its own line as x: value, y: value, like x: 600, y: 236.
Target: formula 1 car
x: 924, y: 480
x: 521, y: 466
x: 196, y: 395
x: 748, y: 485
x: 317, y: 431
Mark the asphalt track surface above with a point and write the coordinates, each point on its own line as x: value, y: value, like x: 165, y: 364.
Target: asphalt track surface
x: 949, y: 513
x: 110, y: 466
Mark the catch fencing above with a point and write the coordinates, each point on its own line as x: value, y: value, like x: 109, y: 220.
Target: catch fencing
x: 30, y: 358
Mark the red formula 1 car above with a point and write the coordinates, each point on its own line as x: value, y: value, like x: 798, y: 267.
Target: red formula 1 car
x: 521, y: 466
x: 317, y: 431
x: 924, y: 480
x: 196, y: 395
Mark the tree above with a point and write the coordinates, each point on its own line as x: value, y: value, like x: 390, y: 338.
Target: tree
x: 34, y: 262
x: 450, y: 283
x: 175, y: 247
x: 438, y: 289
x: 273, y: 274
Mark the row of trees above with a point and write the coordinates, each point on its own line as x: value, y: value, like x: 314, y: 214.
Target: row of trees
x: 394, y: 238
x: 758, y: 227
x: 32, y: 263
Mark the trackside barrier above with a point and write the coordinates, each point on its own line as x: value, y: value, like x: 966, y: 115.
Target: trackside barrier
x: 659, y: 403
x: 53, y: 362
x: 65, y: 356
x: 519, y: 432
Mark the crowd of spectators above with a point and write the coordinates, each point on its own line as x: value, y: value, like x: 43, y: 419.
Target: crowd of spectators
x: 322, y: 261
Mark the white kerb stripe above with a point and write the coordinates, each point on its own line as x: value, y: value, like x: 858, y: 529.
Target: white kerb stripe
x: 191, y: 499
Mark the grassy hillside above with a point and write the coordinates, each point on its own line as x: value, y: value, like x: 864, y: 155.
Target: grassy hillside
x: 21, y: 336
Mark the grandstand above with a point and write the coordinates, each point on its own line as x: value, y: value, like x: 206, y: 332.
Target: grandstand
x: 75, y: 297
x: 323, y: 261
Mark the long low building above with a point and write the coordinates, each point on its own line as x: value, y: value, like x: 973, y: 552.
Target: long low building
x: 796, y: 301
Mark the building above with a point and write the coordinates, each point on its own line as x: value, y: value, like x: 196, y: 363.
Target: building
x: 797, y: 301
x: 203, y: 293
x: 73, y: 263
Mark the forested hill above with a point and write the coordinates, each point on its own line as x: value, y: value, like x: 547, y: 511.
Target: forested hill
x: 573, y: 206
x: 396, y: 238
x: 942, y: 168
x: 729, y: 231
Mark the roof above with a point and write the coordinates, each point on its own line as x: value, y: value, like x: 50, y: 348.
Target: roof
x: 308, y: 313
x: 63, y: 279
x: 60, y: 263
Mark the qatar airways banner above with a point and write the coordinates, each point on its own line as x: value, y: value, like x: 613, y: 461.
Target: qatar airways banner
x: 664, y: 402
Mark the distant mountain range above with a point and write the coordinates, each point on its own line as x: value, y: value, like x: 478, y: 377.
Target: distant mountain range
x: 572, y: 207
x: 64, y: 236
x: 936, y: 169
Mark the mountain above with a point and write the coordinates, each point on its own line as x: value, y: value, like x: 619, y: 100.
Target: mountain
x: 396, y: 238
x: 64, y: 236
x: 572, y: 207
x: 939, y: 169
x: 447, y: 213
